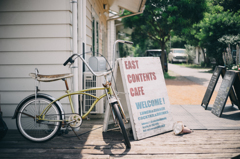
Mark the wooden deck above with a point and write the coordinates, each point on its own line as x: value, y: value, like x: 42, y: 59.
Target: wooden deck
x: 96, y: 144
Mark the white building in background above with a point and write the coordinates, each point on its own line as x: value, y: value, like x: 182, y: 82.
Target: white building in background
x: 43, y: 34
x: 199, y: 55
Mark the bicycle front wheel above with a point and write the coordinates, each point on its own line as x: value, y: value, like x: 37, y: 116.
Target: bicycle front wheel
x: 121, y: 124
x: 38, y: 130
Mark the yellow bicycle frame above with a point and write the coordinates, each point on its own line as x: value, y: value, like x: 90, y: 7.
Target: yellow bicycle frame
x: 109, y: 90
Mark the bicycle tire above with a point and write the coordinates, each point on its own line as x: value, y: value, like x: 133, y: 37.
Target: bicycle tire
x: 26, y: 119
x: 121, y: 124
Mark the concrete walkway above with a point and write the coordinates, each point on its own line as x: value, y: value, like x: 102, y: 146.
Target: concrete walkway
x: 199, y: 76
x: 195, y: 116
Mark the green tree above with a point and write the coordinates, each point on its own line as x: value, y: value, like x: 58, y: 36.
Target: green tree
x: 228, y: 5
x: 177, y: 42
x: 192, y: 40
x: 214, y: 26
x: 221, y: 20
x: 162, y: 18
x: 125, y: 50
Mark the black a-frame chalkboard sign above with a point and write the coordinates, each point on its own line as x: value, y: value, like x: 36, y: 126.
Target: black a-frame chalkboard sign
x: 237, y: 89
x: 229, y: 87
x: 212, y: 84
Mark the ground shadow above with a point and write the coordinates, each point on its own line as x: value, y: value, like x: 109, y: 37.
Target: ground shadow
x: 232, y: 113
x: 197, y: 80
x: 186, y: 81
x: 114, y: 140
x: 61, y: 146
x: 236, y: 157
x: 229, y: 112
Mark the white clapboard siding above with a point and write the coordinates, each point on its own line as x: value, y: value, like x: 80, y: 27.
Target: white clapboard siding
x: 33, y: 34
x: 42, y: 44
x: 34, y: 31
x: 25, y: 84
x: 20, y: 71
x: 89, y: 40
x: 34, y: 5
x: 33, y: 58
x: 88, y: 47
x: 13, y: 98
x: 46, y: 17
x: 89, y: 18
x: 89, y: 31
x: 89, y: 24
x: 88, y: 4
x: 100, y: 46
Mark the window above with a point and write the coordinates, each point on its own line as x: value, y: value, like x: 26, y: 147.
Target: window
x: 95, y: 33
x: 97, y: 37
x: 93, y: 36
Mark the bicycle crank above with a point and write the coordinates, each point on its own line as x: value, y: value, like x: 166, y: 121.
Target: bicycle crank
x: 75, y: 120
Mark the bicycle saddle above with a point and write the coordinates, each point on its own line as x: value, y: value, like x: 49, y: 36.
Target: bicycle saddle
x: 50, y: 78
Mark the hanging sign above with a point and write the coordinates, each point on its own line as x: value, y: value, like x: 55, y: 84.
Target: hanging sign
x: 146, y: 97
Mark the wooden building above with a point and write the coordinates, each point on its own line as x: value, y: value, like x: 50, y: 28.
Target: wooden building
x: 43, y: 34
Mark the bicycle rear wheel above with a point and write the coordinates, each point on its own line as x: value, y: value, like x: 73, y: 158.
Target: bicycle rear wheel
x: 38, y: 131
x: 121, y: 124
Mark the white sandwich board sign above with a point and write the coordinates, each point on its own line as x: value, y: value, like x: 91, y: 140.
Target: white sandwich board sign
x: 145, y: 99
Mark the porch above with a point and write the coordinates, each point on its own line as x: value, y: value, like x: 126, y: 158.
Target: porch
x: 213, y: 137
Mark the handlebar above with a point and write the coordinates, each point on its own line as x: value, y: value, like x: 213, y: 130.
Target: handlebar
x: 71, y: 60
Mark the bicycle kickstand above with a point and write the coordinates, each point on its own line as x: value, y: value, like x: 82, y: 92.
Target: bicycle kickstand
x: 75, y: 133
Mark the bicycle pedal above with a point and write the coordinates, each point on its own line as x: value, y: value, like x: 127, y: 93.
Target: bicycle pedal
x: 64, y: 124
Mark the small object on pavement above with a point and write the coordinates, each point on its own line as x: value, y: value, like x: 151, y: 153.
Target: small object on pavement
x: 179, y: 128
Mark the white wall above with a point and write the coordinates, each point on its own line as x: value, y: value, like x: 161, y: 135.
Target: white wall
x: 33, y: 34
x: 199, y: 55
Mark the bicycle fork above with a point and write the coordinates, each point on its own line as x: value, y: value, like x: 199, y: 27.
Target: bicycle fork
x: 112, y: 99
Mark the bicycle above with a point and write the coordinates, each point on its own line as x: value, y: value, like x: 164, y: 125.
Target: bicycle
x: 39, y: 117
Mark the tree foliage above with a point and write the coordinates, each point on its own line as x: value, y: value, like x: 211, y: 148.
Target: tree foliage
x: 228, y: 5
x: 163, y: 18
x: 218, y: 23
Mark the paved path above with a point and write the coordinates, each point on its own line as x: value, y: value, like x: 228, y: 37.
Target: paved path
x: 196, y: 75
x: 193, y: 114
x: 197, y: 118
